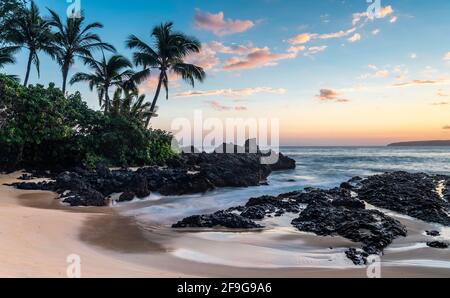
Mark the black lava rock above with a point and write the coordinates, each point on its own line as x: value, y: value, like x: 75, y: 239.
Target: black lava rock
x: 414, y: 195
x: 221, y: 218
x: 433, y: 233
x: 438, y: 244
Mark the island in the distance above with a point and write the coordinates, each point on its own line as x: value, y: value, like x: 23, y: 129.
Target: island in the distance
x: 421, y: 143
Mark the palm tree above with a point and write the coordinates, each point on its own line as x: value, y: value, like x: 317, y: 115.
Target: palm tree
x: 73, y: 39
x: 169, y: 52
x: 32, y: 32
x: 106, y: 74
x: 130, y: 104
x: 7, y: 55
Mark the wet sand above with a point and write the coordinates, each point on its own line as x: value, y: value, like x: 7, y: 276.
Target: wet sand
x: 37, y: 234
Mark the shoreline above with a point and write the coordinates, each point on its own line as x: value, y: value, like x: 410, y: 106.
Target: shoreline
x: 111, y: 245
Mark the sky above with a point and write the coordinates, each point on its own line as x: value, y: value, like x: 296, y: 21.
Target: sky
x: 330, y: 73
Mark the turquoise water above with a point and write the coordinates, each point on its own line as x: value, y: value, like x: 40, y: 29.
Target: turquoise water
x: 322, y: 167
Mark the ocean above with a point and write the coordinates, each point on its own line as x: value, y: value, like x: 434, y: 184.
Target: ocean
x: 321, y: 167
x: 280, y: 245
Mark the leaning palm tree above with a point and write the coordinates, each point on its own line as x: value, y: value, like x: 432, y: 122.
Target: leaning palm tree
x: 7, y: 55
x: 106, y: 74
x: 29, y: 30
x: 73, y: 39
x: 168, y: 54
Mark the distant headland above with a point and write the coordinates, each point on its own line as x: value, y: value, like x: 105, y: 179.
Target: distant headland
x: 420, y: 143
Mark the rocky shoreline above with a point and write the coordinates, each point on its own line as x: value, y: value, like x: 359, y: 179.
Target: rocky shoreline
x: 187, y: 174
x: 343, y: 211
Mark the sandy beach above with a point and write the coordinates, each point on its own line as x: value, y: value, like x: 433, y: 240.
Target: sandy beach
x: 38, y: 234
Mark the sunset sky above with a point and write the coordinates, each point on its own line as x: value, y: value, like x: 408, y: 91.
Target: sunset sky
x: 331, y: 75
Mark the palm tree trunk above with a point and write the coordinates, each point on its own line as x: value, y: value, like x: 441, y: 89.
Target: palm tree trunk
x: 65, y: 73
x: 27, y: 75
x: 107, y: 100
x: 155, y: 99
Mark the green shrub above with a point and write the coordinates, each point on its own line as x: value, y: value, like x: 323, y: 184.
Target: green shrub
x: 42, y: 128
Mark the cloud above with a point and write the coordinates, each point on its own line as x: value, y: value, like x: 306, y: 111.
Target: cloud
x: 442, y: 94
x: 246, y: 56
x: 363, y: 16
x: 339, y: 34
x: 222, y: 108
x: 446, y: 127
x: 355, y: 37
x: 217, y: 24
x: 413, y: 56
x: 327, y: 95
x: 376, y: 31
x: 306, y: 37
x: 393, y: 19
x: 441, y: 103
x: 316, y: 50
x: 381, y: 74
x: 206, y: 58
x: 385, y: 11
x: 296, y: 49
x: 260, y: 57
x: 447, y: 57
x: 150, y: 84
x: 232, y: 92
x: 301, y: 38
x: 233, y: 49
x: 422, y: 83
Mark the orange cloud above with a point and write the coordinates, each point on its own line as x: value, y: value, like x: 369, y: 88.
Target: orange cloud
x: 356, y: 37
x: 384, y: 12
x: 301, y: 38
x: 217, y: 24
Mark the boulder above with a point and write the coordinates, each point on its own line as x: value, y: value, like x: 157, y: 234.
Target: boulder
x: 410, y: 194
x: 218, y: 219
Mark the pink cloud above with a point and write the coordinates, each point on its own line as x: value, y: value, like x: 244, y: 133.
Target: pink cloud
x: 217, y: 24
x: 442, y: 81
x: 327, y: 95
x: 258, y: 58
x: 233, y: 49
x: 206, y: 58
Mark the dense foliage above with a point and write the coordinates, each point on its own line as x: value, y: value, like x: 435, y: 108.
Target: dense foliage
x: 40, y: 127
x: 44, y: 127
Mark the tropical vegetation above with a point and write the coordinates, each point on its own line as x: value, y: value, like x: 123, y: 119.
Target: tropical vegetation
x: 48, y: 127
